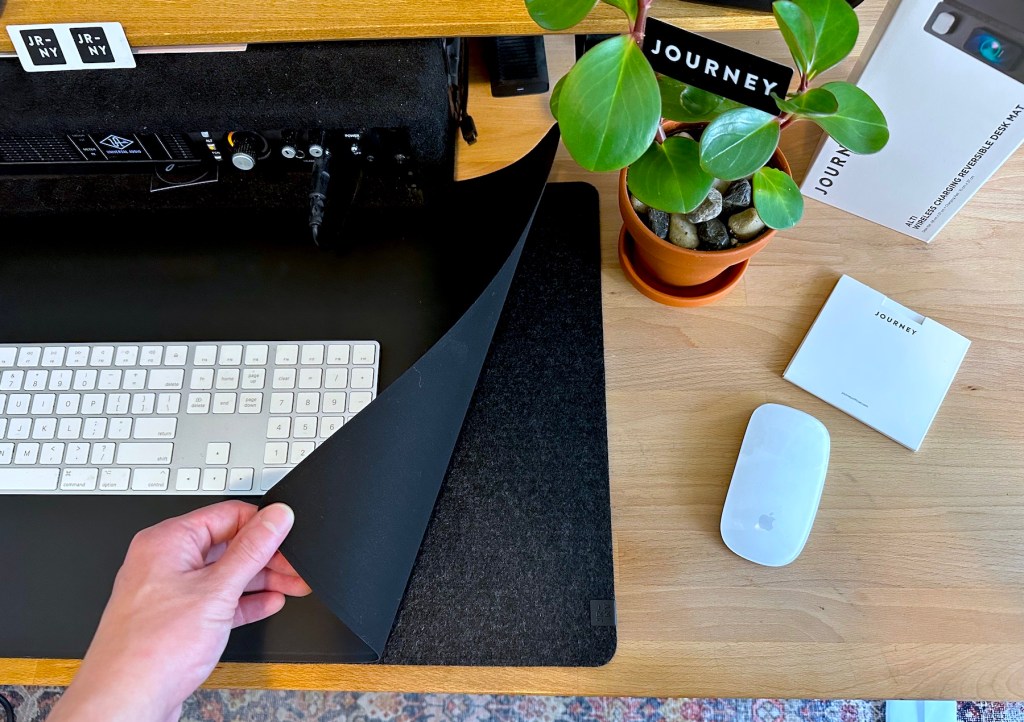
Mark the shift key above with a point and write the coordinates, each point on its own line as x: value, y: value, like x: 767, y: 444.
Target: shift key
x: 144, y: 453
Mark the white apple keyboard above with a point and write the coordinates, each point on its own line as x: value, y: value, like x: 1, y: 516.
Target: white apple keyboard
x: 218, y: 418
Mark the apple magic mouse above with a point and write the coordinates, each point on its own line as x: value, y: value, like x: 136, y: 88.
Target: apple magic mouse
x: 776, y: 486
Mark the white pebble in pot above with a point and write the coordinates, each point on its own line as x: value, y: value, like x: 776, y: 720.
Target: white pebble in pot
x: 746, y: 225
x: 681, y: 232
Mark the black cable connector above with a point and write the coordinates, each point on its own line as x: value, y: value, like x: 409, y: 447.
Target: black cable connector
x: 318, y: 194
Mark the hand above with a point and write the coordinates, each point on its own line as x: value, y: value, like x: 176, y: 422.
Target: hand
x: 185, y: 584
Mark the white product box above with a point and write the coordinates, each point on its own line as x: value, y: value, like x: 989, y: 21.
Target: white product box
x: 949, y: 77
x: 878, y: 361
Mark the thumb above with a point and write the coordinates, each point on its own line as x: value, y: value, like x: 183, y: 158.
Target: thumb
x: 254, y: 545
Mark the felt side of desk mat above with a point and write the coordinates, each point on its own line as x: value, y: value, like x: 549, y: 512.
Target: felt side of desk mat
x: 131, y: 277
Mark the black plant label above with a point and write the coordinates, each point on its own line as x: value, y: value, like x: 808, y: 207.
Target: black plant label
x: 716, y: 67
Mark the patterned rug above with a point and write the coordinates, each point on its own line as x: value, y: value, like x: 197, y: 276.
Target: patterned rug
x: 32, y: 704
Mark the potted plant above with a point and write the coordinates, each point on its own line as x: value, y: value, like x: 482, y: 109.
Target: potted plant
x: 703, y: 184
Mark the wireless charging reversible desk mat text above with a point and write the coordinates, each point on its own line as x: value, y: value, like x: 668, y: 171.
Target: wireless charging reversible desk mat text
x: 519, y: 544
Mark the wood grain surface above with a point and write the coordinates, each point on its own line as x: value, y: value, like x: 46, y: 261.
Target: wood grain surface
x: 912, y: 583
x: 188, y: 22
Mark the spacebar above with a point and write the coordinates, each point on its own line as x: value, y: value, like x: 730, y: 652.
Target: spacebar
x: 28, y: 479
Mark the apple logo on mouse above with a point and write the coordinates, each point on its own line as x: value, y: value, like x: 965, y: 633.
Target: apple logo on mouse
x: 766, y: 522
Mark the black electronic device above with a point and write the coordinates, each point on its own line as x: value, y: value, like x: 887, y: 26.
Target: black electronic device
x: 517, y: 65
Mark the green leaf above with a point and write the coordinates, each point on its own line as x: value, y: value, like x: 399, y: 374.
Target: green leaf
x: 815, y: 102
x: 835, y: 32
x: 777, y: 198
x: 859, y: 124
x: 555, y: 93
x: 609, y: 107
x: 688, y: 104
x: 797, y: 30
x: 627, y: 6
x: 558, y: 14
x: 669, y: 177
x: 738, y: 142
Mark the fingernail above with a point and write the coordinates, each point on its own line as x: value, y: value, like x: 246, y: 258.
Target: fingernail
x: 277, y: 517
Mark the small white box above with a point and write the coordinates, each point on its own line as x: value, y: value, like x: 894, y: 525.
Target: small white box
x: 878, y: 361
x: 954, y: 117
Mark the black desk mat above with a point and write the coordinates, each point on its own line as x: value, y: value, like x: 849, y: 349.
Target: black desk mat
x: 520, y: 543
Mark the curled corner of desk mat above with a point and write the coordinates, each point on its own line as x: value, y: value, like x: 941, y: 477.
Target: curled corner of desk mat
x: 363, y: 499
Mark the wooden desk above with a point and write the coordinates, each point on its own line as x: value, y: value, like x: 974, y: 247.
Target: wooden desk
x: 912, y: 584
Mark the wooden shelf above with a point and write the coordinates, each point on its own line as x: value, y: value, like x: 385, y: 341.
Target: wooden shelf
x: 187, y: 22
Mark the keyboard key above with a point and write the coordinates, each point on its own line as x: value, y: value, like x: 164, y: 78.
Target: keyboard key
x: 202, y: 379
x: 18, y: 428
x: 240, y: 479
x: 52, y: 356
x: 362, y: 378
x: 284, y: 379
x: 364, y: 353
x: 85, y: 380
x: 120, y: 428
x: 43, y: 404
x: 29, y: 479
x: 300, y: 450
x: 334, y: 402
x: 102, y: 454
x: 271, y: 477
x: 151, y: 356
x: 310, y: 378
x: 131, y: 453
x: 79, y: 479
x: 338, y: 353
x: 254, y: 378
x: 69, y: 428
x: 77, y: 356
x: 312, y: 355
x: 230, y: 355
x: 134, y: 380
x: 168, y: 403
x: 26, y: 453
x: 29, y: 356
x: 281, y: 403
x: 218, y: 452
x: 77, y: 453
x: 330, y: 424
x: 7, y: 453
x: 188, y: 480
x: 214, y: 479
x: 51, y: 454
x: 304, y: 427
x: 143, y: 404
x: 336, y: 379
x: 114, y: 479
x: 101, y: 356
x: 60, y: 380
x: 18, y: 404
x: 3, y: 427
x: 206, y: 356
x: 359, y: 400
x: 250, y: 403
x: 126, y: 356
x: 256, y: 355
x: 227, y: 378
x: 11, y: 380
x: 92, y: 403
x: 198, y: 404
x: 155, y: 428
x: 279, y: 427
x: 307, y: 403
x: 166, y: 379
x: 176, y: 356
x: 7, y: 357
x: 276, y: 452
x: 95, y: 428
x: 150, y: 479
x: 287, y: 354
x: 44, y: 429
x: 224, y: 403
x: 109, y: 380
x: 68, y: 403
x: 35, y: 380
x: 118, y: 403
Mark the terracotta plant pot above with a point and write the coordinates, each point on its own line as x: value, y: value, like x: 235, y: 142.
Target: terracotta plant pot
x: 672, y: 265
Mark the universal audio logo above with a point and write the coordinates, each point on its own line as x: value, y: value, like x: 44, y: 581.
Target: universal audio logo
x: 116, y: 142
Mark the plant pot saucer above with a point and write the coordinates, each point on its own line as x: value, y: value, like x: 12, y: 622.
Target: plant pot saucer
x: 640, y: 276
